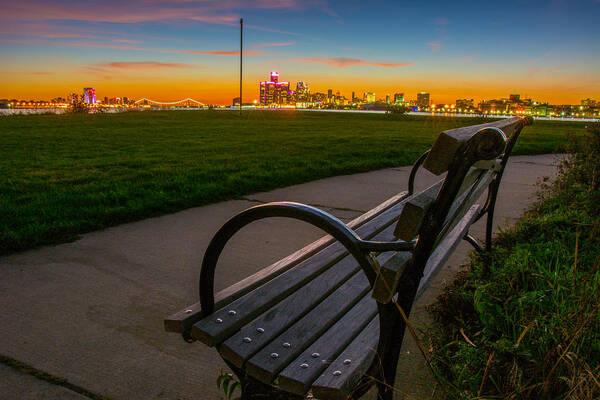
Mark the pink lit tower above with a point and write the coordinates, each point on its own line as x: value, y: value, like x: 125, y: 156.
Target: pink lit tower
x: 273, y: 92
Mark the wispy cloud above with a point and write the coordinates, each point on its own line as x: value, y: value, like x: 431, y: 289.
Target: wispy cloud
x: 135, y: 11
x: 128, y: 47
x: 435, y: 45
x: 341, y: 62
x: 277, y: 44
x: 251, y: 53
x: 441, y: 21
x: 145, y: 65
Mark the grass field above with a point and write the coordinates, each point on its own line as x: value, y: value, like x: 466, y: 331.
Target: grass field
x: 63, y: 175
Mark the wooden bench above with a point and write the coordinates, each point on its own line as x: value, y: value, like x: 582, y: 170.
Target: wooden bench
x: 328, y: 318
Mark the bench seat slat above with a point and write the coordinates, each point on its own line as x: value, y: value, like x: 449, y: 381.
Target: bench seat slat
x: 276, y: 319
x: 285, y: 313
x: 248, y: 307
x: 217, y: 327
x: 185, y: 318
x: 299, y: 375
x: 361, y: 352
x: 300, y: 335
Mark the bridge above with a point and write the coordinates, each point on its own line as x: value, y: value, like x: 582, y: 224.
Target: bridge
x: 188, y: 102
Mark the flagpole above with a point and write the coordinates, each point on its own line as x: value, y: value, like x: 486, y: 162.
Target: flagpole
x: 241, y: 58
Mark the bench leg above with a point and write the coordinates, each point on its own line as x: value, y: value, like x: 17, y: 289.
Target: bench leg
x: 255, y: 390
x: 389, y: 350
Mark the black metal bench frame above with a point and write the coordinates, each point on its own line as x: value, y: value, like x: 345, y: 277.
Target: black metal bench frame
x: 476, y: 144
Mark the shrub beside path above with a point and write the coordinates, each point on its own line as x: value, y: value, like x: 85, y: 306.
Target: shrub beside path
x: 91, y: 311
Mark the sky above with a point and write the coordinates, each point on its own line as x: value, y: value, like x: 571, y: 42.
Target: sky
x: 169, y: 50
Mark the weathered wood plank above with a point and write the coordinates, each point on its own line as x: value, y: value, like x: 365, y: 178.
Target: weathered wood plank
x: 413, y: 213
x: 299, y: 375
x: 448, y: 142
x: 341, y: 377
x: 462, y: 204
x: 287, y: 346
x: 238, y: 349
x: 226, y: 321
x: 389, y: 276
x: 443, y: 251
x: 258, y: 333
x: 222, y: 324
x: 185, y: 318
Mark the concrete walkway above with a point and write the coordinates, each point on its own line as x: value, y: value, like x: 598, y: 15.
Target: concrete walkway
x: 91, y: 311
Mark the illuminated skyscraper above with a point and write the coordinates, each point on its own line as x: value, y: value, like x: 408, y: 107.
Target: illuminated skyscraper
x: 273, y: 91
x: 89, y: 95
x: 399, y: 98
x: 369, y: 97
x: 302, y: 91
x: 423, y: 99
x: 73, y: 98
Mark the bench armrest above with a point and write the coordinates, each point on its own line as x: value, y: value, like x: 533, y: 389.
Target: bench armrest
x: 360, y: 249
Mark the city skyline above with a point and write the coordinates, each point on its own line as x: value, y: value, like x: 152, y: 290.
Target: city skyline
x: 175, y: 49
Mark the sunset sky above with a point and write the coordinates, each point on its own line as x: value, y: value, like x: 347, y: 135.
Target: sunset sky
x: 168, y: 50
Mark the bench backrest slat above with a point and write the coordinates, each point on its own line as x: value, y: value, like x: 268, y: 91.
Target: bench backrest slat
x: 449, y: 142
x: 443, y: 251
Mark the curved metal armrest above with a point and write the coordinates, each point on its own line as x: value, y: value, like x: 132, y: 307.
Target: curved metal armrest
x: 359, y: 249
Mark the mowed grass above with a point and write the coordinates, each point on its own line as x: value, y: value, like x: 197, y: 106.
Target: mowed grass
x: 63, y: 175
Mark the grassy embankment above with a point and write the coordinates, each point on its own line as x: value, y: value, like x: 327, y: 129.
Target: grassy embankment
x: 524, y: 322
x: 63, y: 175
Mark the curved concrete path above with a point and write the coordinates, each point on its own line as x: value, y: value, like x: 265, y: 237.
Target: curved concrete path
x: 91, y: 311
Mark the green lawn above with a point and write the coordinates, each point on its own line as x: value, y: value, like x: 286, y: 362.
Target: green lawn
x: 62, y: 175
x: 530, y: 308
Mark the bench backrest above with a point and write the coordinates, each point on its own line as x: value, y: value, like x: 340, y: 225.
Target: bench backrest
x: 472, y: 158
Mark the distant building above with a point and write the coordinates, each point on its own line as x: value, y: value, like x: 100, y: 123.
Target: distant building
x: 399, y: 98
x: 514, y: 98
x: 73, y: 98
x: 302, y: 92
x: 423, y: 99
x: 387, y: 99
x: 353, y: 97
x: 273, y: 91
x: 464, y: 104
x: 89, y: 95
x: 369, y: 97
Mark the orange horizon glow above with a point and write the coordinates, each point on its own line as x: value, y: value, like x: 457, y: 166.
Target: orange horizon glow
x: 41, y: 87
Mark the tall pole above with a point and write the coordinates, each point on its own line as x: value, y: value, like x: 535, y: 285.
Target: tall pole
x: 241, y: 58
